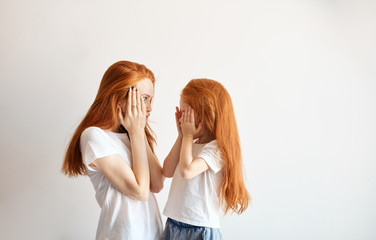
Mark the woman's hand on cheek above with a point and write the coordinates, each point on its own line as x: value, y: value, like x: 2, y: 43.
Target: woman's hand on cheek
x: 187, y: 121
x: 135, y: 113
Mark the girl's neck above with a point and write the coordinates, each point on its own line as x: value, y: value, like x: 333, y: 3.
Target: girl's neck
x: 205, y: 137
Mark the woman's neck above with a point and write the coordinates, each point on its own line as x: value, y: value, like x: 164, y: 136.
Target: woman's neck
x: 118, y: 129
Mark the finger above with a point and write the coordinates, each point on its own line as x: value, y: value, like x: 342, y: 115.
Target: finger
x: 185, y: 116
x: 134, y: 100
x: 138, y: 99
x: 188, y: 114
x: 182, y: 118
x: 129, y: 100
x: 192, y: 116
x: 142, y: 106
x: 178, y: 112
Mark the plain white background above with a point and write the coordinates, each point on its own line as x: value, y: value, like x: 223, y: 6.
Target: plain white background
x: 302, y: 76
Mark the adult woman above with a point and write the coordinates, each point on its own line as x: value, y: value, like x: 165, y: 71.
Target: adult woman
x: 113, y: 145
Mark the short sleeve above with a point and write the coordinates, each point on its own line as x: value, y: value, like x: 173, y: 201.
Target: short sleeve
x: 212, y: 156
x: 94, y: 144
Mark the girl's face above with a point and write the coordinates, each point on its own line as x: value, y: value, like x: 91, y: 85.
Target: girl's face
x: 146, y: 89
x: 183, y: 107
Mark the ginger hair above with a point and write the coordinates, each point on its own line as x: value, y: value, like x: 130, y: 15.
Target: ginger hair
x: 213, y: 107
x: 113, y: 90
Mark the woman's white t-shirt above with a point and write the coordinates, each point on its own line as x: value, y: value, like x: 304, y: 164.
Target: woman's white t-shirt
x: 196, y: 201
x: 121, y: 217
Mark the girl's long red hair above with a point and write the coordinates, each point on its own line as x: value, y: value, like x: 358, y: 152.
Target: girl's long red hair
x: 113, y: 89
x: 213, y: 106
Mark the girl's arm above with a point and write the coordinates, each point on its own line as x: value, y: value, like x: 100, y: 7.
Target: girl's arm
x: 156, y: 175
x: 172, y: 159
x: 190, y: 167
x: 133, y: 182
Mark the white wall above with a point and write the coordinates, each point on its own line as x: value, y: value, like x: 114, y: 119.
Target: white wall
x: 302, y: 75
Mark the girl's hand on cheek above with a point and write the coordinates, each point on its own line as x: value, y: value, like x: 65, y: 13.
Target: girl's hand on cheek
x: 178, y: 115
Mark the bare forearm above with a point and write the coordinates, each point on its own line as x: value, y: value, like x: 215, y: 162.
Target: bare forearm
x: 156, y: 175
x: 186, y: 155
x: 172, y: 158
x: 140, y: 165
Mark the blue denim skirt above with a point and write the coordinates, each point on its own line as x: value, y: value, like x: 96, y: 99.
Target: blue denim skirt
x: 175, y: 230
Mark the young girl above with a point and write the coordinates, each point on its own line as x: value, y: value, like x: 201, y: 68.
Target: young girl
x: 207, y: 173
x: 114, y: 146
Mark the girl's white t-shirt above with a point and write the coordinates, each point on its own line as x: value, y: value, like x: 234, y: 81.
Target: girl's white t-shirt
x: 121, y: 217
x: 196, y: 201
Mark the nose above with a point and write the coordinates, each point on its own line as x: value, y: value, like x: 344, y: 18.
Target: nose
x: 148, y: 106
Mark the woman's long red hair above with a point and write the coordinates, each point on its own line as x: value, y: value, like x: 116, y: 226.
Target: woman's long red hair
x: 213, y: 106
x: 114, y: 87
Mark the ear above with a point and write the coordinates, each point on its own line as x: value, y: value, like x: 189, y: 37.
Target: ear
x: 120, y: 114
x: 123, y: 106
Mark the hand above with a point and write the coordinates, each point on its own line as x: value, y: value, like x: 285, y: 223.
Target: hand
x: 187, y: 123
x: 134, y: 119
x: 178, y: 114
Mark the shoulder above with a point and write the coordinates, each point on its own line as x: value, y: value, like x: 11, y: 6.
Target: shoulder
x: 91, y: 133
x: 212, y: 156
x: 211, y: 147
x: 213, y: 144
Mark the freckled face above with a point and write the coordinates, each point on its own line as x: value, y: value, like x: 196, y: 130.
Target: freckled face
x: 146, y: 89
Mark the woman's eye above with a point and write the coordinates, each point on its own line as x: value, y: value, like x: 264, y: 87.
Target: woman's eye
x: 144, y: 99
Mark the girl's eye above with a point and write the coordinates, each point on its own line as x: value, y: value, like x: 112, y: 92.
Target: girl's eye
x: 144, y: 99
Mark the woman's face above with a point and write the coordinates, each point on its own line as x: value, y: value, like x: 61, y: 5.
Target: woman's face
x: 146, y: 89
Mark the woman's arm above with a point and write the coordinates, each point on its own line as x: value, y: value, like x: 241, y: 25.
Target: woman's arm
x: 133, y: 182
x: 156, y: 175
